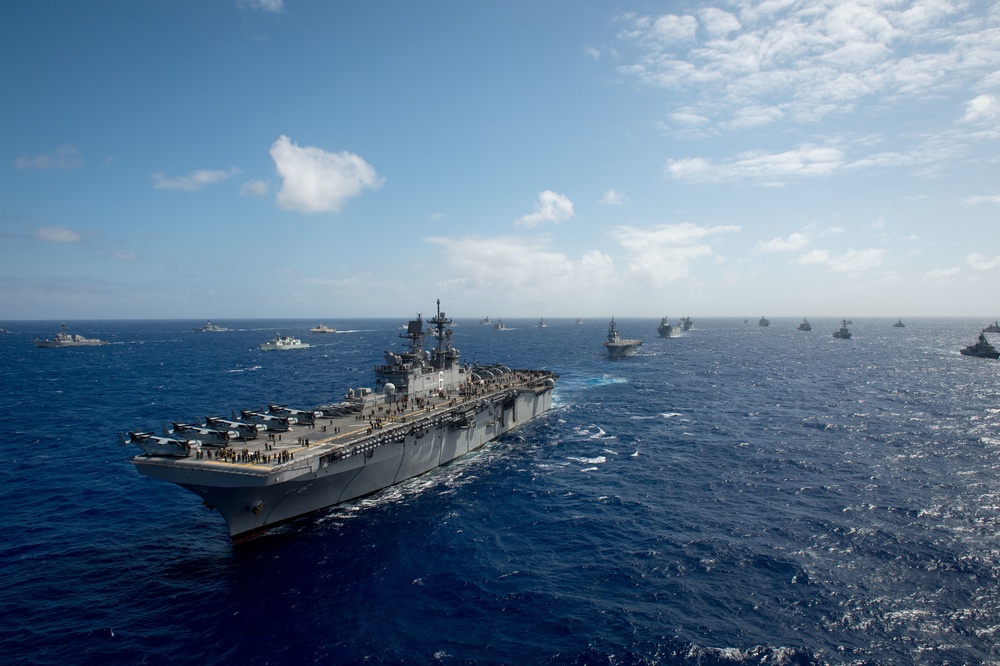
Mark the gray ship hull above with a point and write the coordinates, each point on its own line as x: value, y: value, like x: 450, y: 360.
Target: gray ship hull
x: 254, y: 500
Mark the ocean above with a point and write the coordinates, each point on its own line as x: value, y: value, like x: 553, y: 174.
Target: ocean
x: 735, y: 495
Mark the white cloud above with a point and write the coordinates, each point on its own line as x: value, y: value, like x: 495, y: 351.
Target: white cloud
x: 813, y: 257
x: 255, y: 188
x: 550, y: 207
x: 65, y: 157
x: 981, y: 262
x: 795, y: 241
x: 993, y: 198
x: 805, y: 161
x: 613, y: 198
x: 124, y: 255
x: 804, y: 61
x: 718, y: 23
x: 58, y: 234
x: 665, y: 253
x: 942, y: 273
x: 317, y: 181
x: 192, y: 181
x: 523, y: 269
x: 984, y: 108
x: 852, y: 261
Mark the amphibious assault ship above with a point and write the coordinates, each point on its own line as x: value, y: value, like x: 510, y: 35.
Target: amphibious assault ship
x: 619, y: 347
x: 426, y: 410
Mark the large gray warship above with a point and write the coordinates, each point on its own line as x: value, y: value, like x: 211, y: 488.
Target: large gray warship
x: 427, y: 409
x: 617, y: 346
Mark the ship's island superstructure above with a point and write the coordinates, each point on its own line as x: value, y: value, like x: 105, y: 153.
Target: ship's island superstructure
x: 427, y: 409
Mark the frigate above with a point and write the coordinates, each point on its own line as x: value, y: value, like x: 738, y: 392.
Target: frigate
x: 426, y: 410
x: 64, y: 339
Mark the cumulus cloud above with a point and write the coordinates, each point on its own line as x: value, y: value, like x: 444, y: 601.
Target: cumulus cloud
x: 317, y: 181
x: 65, y: 157
x: 58, y: 235
x: 192, y: 181
x: 255, y: 188
x: 795, y: 241
x: 664, y: 253
x: 613, y: 198
x: 523, y: 268
x: 550, y: 207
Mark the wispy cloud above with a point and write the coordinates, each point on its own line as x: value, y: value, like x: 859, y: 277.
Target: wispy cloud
x: 58, y: 235
x: 805, y: 161
x: 272, y: 6
x: 992, y: 198
x: 852, y: 261
x: 65, y: 157
x: 192, y: 181
x: 942, y: 273
x: 550, y: 207
x: 613, y: 198
x: 317, y: 181
x: 982, y: 262
x: 255, y: 188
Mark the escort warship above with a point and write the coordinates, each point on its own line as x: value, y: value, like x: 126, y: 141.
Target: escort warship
x: 427, y: 409
x: 64, y: 339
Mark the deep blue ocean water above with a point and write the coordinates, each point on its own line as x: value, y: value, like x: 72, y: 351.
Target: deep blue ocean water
x: 736, y: 495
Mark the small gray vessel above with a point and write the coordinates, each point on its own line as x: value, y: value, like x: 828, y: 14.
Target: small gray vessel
x: 64, y: 339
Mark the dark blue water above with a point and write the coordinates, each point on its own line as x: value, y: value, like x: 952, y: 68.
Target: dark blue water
x: 734, y: 496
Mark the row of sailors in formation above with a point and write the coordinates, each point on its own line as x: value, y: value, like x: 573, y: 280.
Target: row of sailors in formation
x: 245, y: 456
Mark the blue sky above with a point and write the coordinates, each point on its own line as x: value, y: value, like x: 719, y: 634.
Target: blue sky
x: 290, y: 158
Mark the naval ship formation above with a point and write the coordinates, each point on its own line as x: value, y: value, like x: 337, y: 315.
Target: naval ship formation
x: 265, y: 468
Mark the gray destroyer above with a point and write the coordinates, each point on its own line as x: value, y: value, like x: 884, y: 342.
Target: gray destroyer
x: 427, y: 409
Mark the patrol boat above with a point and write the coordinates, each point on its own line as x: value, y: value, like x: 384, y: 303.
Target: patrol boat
x: 427, y: 409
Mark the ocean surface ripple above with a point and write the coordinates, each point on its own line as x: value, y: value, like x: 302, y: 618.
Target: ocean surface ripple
x: 735, y: 495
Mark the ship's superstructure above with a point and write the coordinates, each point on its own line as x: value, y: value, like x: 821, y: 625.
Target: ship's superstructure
x: 426, y: 410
